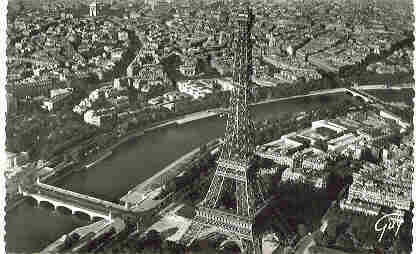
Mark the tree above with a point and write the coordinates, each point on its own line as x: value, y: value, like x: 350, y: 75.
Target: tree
x: 203, y: 149
x: 345, y: 242
x: 301, y: 229
x: 330, y: 235
x: 132, y: 95
x: 70, y: 240
x: 154, y: 239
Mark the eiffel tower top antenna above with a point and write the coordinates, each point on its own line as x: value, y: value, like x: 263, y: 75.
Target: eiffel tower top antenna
x: 239, y: 135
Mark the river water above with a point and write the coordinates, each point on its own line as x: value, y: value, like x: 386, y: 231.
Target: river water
x: 30, y: 228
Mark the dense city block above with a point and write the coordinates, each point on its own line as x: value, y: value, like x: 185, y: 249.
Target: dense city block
x: 86, y: 79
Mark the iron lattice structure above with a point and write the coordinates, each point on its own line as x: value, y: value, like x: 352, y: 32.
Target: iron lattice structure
x: 235, y: 181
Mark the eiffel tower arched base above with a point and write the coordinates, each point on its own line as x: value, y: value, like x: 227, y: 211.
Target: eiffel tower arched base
x: 247, y: 244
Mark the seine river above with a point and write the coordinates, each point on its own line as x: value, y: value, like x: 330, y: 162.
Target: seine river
x: 30, y: 228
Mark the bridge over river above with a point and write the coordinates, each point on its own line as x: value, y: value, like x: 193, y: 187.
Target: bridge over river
x: 76, y: 202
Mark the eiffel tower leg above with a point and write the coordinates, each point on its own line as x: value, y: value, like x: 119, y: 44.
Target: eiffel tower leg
x: 252, y: 247
x: 234, y: 239
x: 242, y: 199
x: 192, y: 233
x: 214, y: 191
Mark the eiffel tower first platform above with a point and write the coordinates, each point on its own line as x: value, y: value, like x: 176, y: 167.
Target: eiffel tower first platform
x: 235, y: 196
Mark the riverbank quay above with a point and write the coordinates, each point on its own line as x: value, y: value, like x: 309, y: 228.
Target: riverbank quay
x: 85, y: 235
x: 141, y: 197
x: 82, y: 232
x: 197, y: 116
x: 101, y: 158
x: 10, y: 205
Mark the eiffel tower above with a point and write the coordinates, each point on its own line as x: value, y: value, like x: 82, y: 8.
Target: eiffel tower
x: 235, y: 196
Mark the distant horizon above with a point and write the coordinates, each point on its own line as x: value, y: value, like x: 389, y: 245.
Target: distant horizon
x: 276, y: 1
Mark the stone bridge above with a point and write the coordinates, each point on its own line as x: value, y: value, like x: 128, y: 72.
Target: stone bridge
x: 75, y: 202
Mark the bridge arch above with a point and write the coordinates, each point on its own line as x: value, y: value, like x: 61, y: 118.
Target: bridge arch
x: 32, y: 200
x: 81, y: 214
x: 46, y: 203
x: 358, y: 94
x: 360, y: 98
x: 210, y: 232
x: 40, y: 201
x: 232, y: 243
x: 63, y: 209
x: 349, y: 93
x: 96, y: 218
x: 230, y: 239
